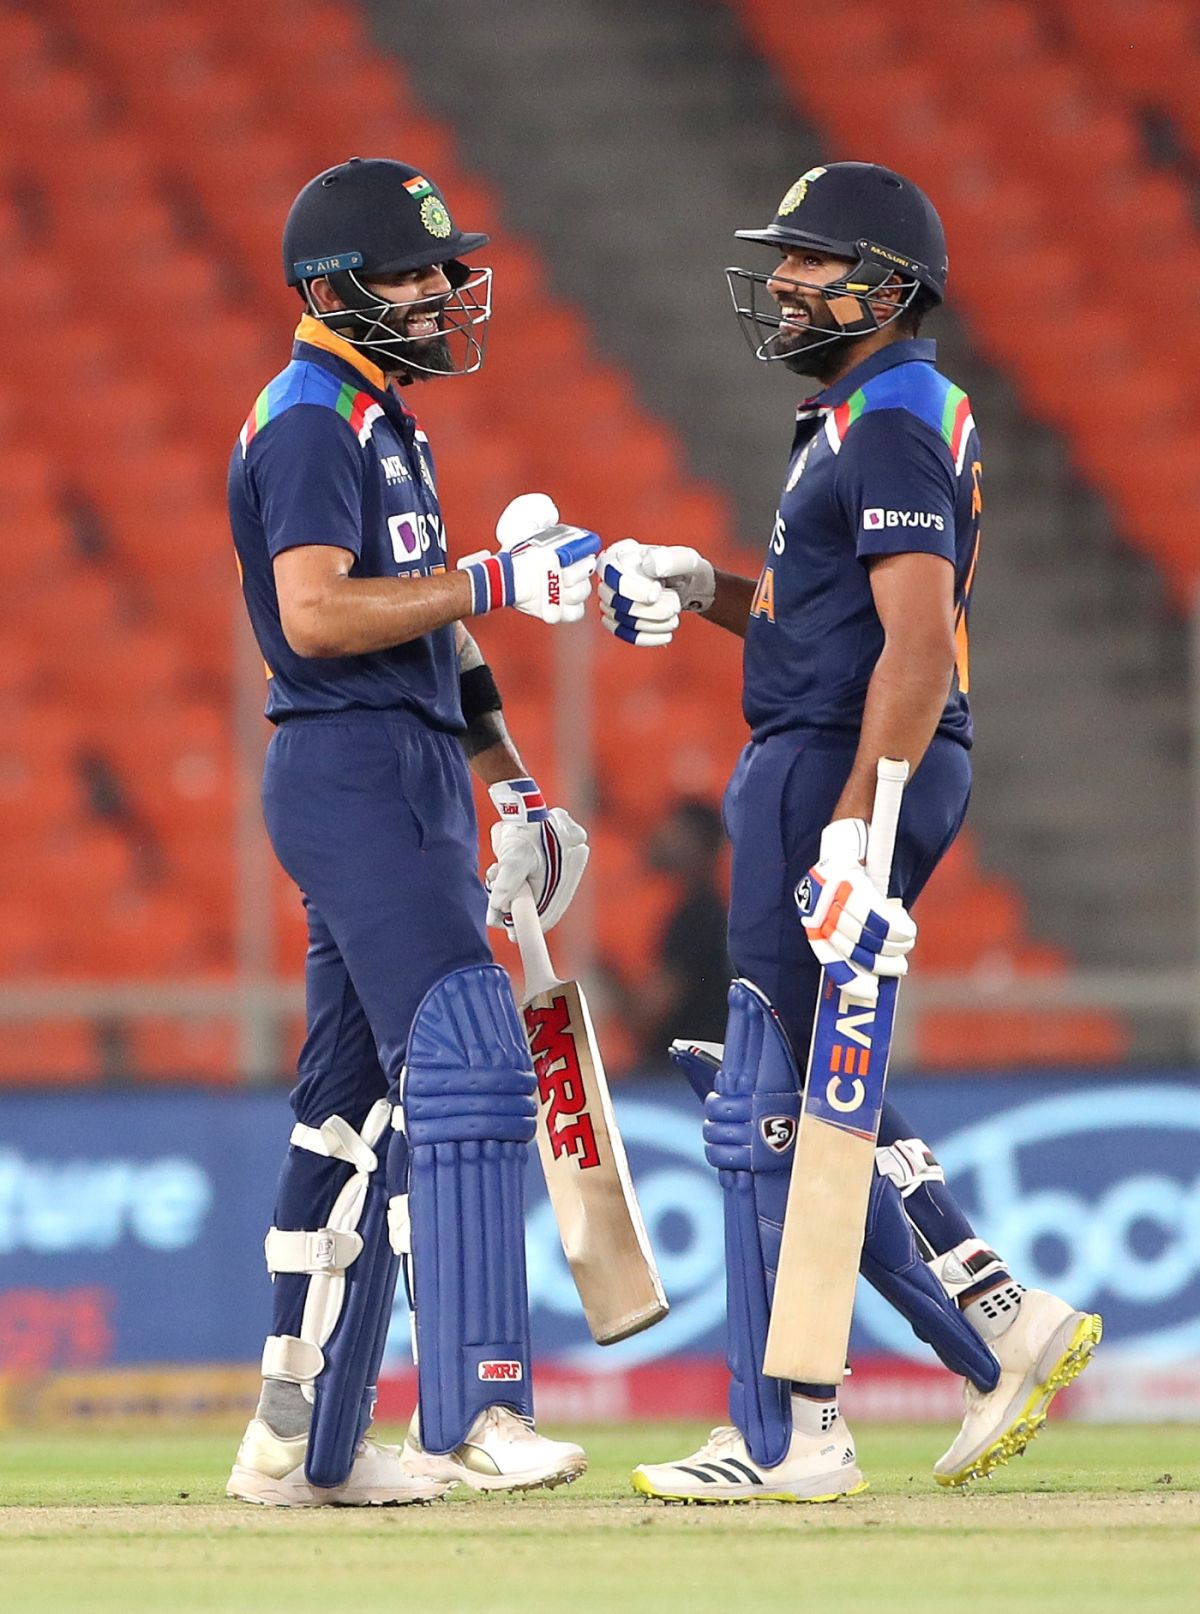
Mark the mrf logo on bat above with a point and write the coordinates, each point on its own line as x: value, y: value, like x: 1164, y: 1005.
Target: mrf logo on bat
x: 846, y: 1075
x: 554, y: 1046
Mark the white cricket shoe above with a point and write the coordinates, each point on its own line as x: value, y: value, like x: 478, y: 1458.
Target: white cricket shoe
x: 1045, y: 1346
x: 817, y: 1468
x: 502, y: 1452
x: 270, y: 1470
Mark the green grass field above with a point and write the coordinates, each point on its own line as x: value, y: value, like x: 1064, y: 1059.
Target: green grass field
x: 1092, y: 1518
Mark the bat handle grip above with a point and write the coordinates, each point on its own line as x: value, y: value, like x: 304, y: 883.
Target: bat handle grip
x: 890, y: 777
x: 531, y: 944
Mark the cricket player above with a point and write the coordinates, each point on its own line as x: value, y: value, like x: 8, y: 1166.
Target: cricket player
x: 414, y: 1106
x: 855, y: 649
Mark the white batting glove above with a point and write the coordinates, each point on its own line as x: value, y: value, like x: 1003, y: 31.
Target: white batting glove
x: 523, y: 517
x: 645, y: 587
x: 547, y: 574
x: 856, y: 933
x: 534, y: 845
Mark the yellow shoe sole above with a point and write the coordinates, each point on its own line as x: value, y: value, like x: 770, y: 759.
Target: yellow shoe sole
x: 1028, y: 1422
x: 644, y: 1488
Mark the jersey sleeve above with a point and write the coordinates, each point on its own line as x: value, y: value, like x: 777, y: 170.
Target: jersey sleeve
x: 307, y: 470
x: 895, y: 486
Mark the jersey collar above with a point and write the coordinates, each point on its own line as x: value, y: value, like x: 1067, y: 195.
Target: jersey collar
x: 912, y: 350
x: 313, y: 333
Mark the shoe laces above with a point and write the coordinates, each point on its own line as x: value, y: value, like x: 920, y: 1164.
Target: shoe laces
x: 369, y: 1443
x: 721, y: 1438
x: 512, y: 1425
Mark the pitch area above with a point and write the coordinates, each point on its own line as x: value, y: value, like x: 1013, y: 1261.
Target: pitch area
x: 1096, y: 1518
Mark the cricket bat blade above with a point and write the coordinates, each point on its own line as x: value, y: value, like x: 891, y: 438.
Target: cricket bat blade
x: 583, y: 1157
x: 841, y: 1106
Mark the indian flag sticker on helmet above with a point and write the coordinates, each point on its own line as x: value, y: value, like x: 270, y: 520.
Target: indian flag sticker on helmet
x: 435, y: 218
x: 799, y: 191
x: 417, y: 186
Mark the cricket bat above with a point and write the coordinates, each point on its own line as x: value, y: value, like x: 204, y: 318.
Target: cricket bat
x: 587, y: 1175
x: 826, y: 1215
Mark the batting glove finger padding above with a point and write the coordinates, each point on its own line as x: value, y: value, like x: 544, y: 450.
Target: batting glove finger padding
x: 856, y: 933
x: 524, y: 517
x: 537, y: 846
x: 640, y: 623
x: 634, y: 606
x: 622, y: 567
x: 647, y: 585
x: 622, y: 628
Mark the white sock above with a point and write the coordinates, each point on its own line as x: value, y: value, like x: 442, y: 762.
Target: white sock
x: 811, y: 1417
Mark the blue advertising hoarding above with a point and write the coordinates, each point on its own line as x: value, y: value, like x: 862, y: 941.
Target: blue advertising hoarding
x: 131, y: 1222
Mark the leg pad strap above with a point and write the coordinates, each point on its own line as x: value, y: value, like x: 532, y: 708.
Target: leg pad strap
x: 352, y: 1278
x: 327, y: 1250
x: 298, y: 1361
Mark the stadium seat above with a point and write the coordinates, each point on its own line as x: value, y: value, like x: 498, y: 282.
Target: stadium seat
x: 181, y: 1049
x: 44, y: 1052
x: 1064, y: 151
x: 982, y: 1039
x: 200, y: 119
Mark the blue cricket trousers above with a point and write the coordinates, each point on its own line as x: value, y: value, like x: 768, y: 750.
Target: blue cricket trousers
x: 778, y: 801
x: 371, y: 814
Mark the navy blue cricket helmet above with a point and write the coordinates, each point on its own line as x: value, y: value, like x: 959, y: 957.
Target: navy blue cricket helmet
x: 374, y: 216
x: 883, y: 224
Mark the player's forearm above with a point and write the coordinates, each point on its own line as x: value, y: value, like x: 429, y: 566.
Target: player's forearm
x: 486, y: 740
x: 353, y: 616
x: 905, y: 700
x: 498, y: 762
x: 731, y: 604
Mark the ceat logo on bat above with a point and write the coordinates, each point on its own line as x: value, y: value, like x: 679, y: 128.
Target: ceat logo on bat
x: 850, y: 1054
x: 501, y: 1372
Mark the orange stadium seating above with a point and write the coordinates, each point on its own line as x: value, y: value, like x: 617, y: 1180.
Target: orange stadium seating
x: 1023, y: 120
x: 152, y: 312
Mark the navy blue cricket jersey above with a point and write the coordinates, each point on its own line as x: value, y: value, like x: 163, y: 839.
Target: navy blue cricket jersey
x: 329, y: 455
x: 884, y: 462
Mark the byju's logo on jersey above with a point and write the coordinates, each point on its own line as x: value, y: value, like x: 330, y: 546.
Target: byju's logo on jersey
x: 875, y: 518
x: 413, y: 535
